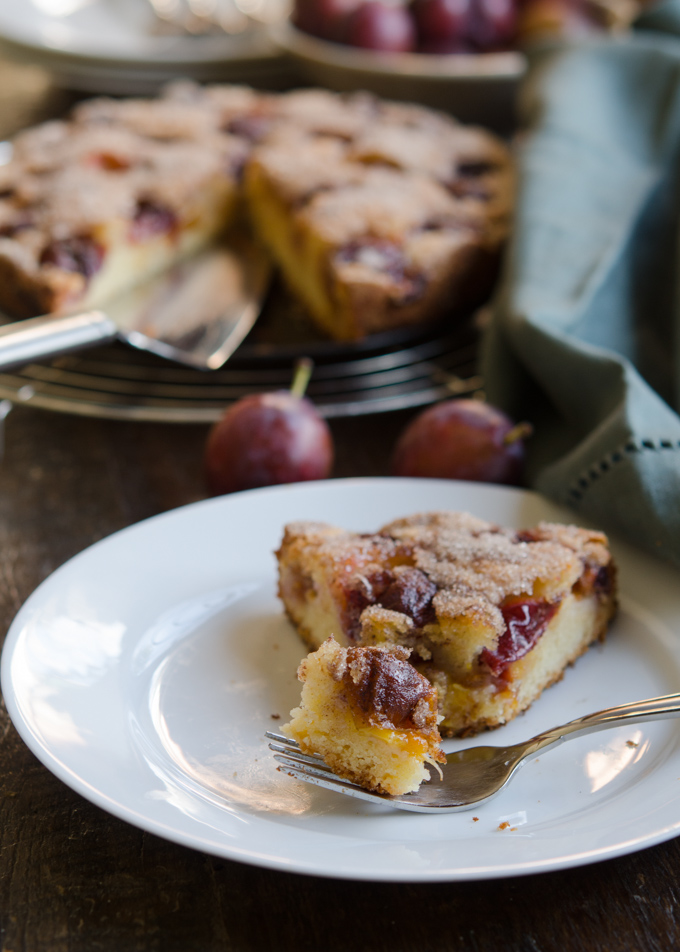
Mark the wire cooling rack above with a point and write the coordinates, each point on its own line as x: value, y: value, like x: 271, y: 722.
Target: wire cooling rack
x: 386, y: 372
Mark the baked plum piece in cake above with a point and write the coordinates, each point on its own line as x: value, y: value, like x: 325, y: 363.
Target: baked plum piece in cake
x: 492, y: 616
x: 92, y: 204
x: 379, y: 215
x: 369, y: 714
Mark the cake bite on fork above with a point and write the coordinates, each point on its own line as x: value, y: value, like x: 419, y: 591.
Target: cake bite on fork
x: 370, y: 715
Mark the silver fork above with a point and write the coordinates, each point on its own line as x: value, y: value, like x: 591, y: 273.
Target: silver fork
x: 473, y: 776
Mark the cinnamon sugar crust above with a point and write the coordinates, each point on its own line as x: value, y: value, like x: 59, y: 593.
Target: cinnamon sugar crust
x: 474, y: 565
x: 477, y: 565
x: 71, y: 175
x: 388, y: 182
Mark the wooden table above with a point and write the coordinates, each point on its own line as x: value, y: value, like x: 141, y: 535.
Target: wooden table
x: 75, y: 879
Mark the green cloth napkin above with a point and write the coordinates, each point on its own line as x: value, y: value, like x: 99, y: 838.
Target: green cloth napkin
x: 584, y: 337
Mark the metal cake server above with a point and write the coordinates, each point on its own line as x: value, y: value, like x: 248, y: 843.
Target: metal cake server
x: 196, y: 313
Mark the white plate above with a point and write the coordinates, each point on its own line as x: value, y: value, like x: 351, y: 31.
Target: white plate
x: 118, y: 31
x: 108, y: 46
x: 92, y: 76
x: 145, y: 671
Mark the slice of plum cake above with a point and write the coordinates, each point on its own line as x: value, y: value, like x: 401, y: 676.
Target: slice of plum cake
x: 492, y: 616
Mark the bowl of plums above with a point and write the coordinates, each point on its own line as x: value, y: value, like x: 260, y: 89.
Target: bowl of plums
x: 464, y: 56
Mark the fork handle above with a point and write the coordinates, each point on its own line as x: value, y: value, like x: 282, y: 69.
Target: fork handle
x: 654, y: 709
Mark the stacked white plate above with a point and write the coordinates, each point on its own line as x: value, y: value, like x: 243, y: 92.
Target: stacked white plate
x: 114, y: 47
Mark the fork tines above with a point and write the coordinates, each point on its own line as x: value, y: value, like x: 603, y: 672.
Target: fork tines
x: 282, y: 739
x: 312, y: 769
x: 287, y: 749
x: 288, y: 753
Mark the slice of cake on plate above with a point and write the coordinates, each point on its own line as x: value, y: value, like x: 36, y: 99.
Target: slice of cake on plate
x: 369, y: 714
x: 492, y: 616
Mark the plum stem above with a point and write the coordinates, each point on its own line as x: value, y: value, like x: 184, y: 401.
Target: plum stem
x: 520, y: 431
x: 301, y: 376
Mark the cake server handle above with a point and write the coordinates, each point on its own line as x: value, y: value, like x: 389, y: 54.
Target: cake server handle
x: 49, y: 336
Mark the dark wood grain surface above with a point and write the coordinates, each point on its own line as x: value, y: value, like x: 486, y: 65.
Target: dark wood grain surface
x: 75, y: 879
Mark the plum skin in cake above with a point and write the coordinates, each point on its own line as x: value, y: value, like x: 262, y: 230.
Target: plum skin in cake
x: 369, y: 715
x: 492, y: 616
